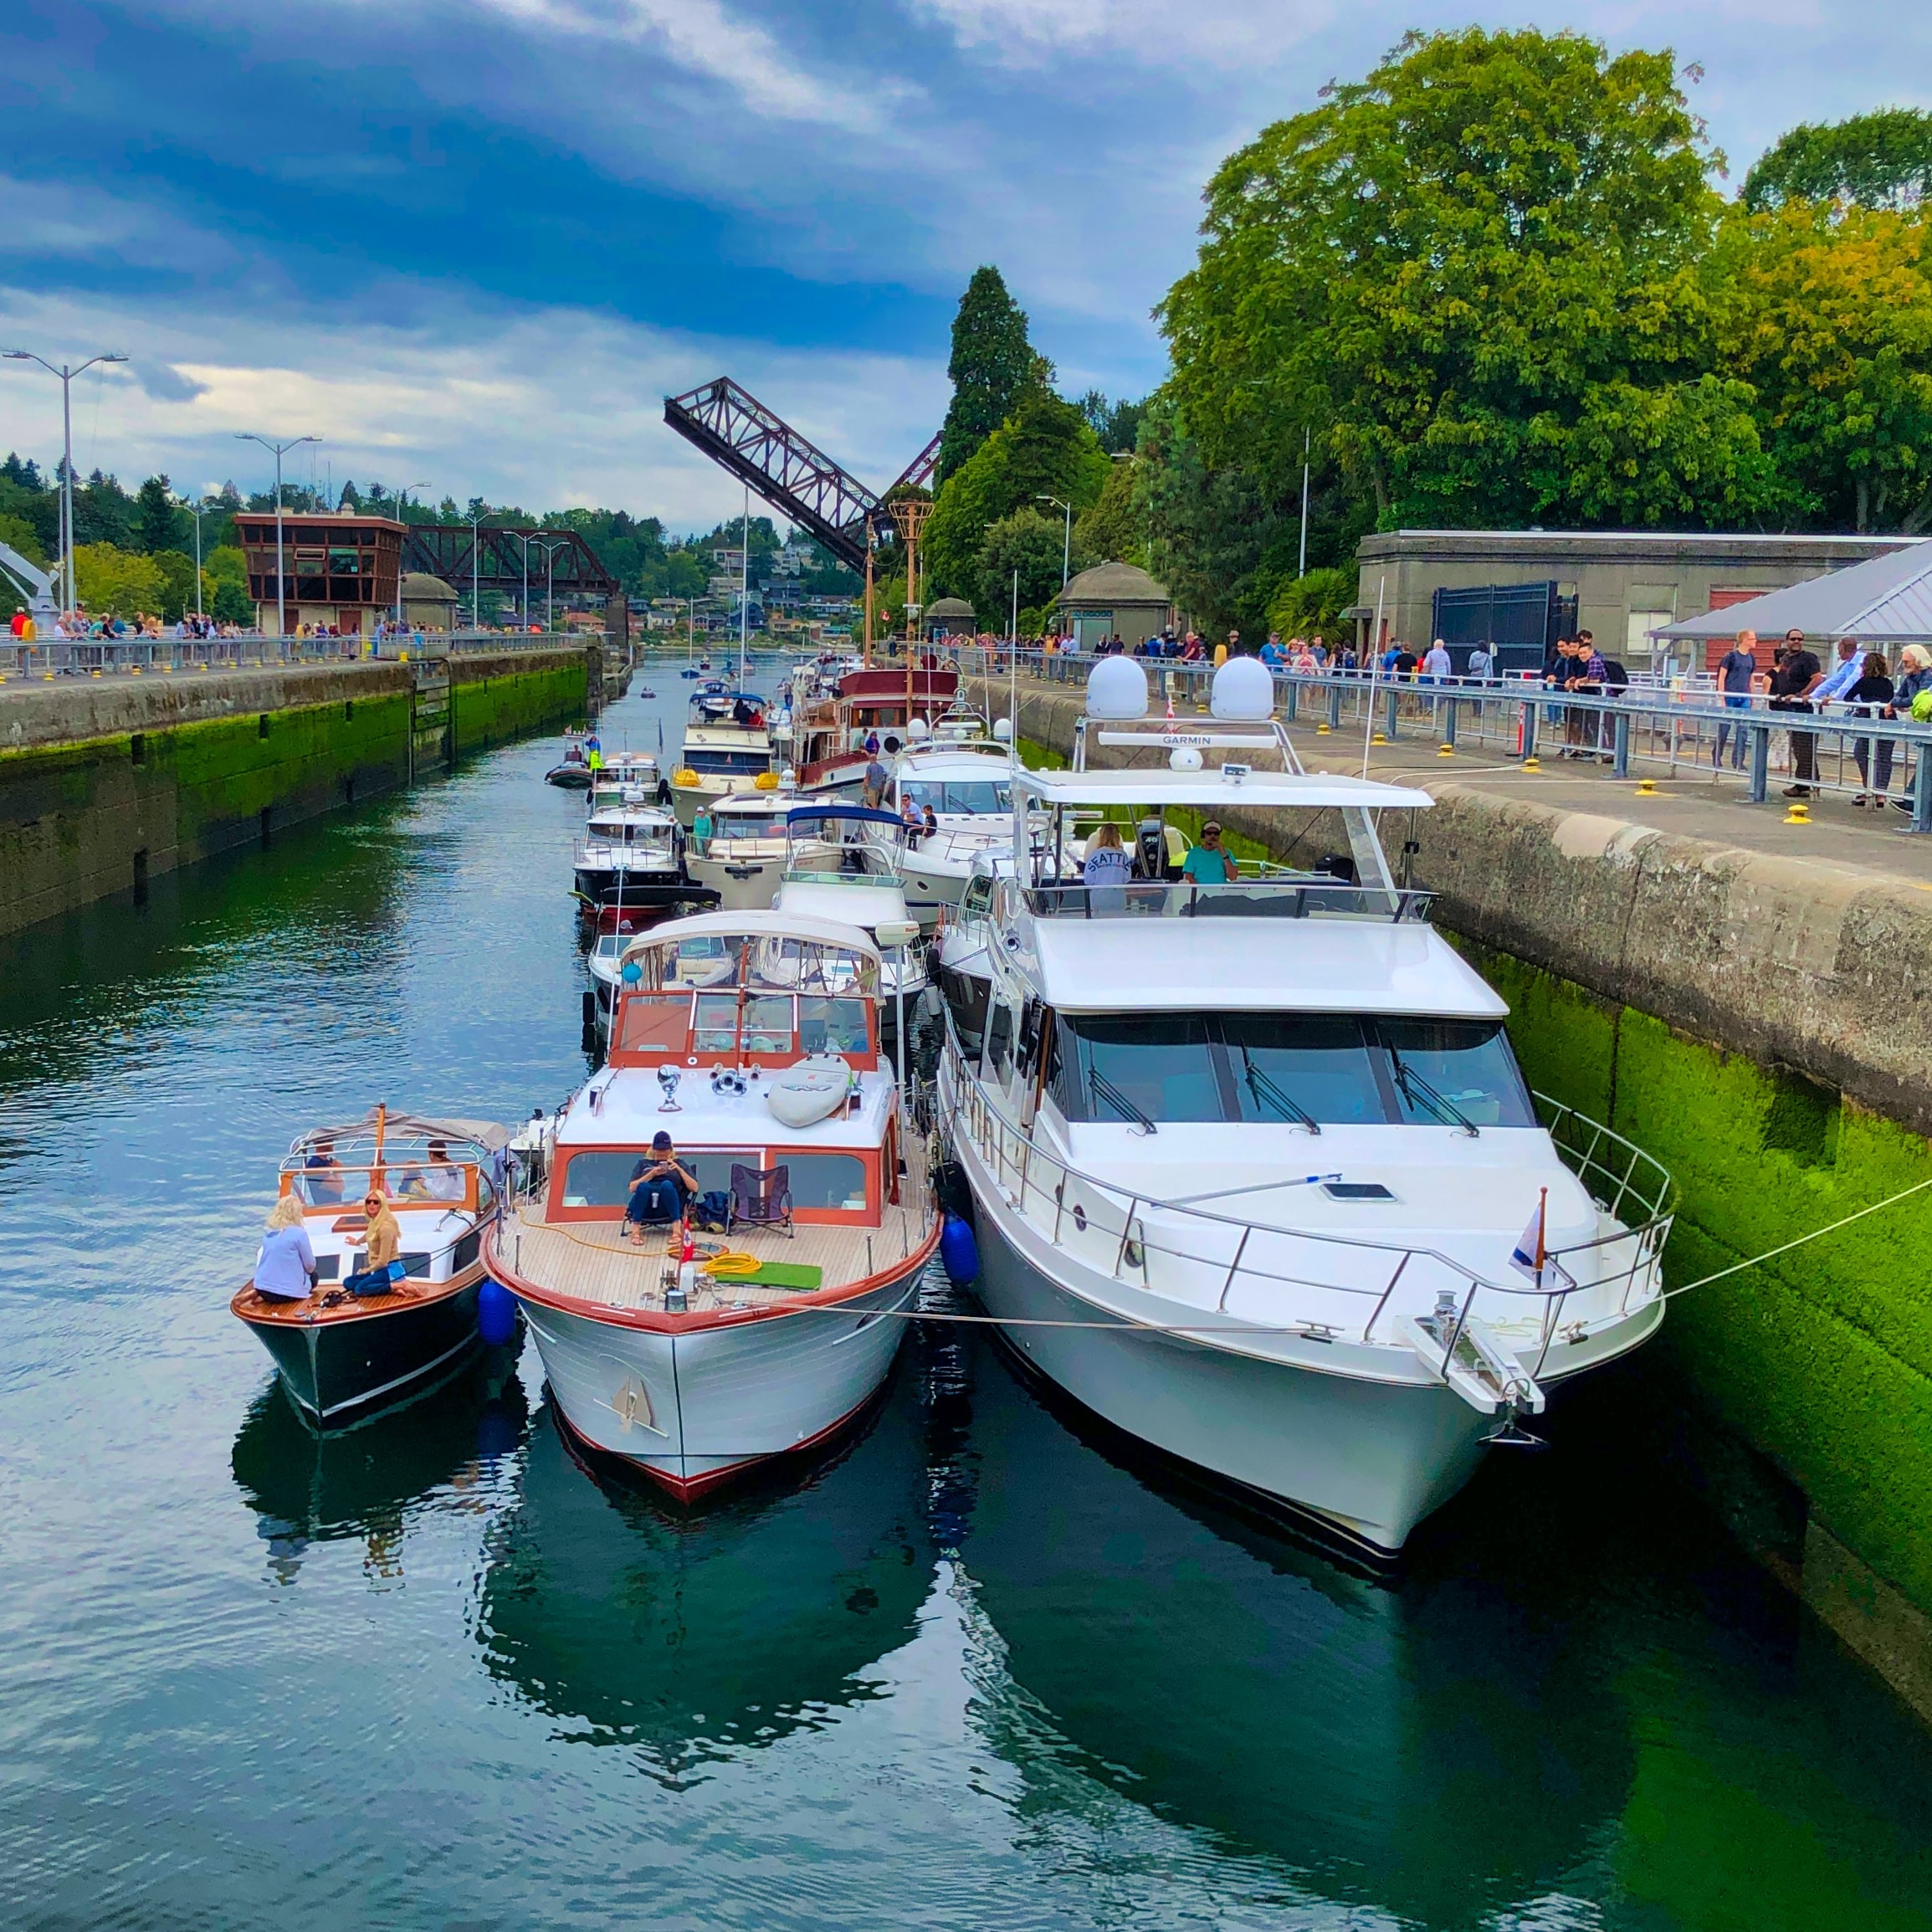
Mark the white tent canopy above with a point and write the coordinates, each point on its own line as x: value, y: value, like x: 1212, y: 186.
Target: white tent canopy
x: 1884, y: 600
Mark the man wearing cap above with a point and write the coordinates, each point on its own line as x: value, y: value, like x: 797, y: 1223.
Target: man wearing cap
x: 659, y: 1188
x: 1209, y: 863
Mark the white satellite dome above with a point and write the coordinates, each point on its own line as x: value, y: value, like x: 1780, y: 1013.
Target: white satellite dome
x: 1184, y: 758
x: 1003, y: 730
x: 918, y: 731
x: 1117, y: 689
x: 1243, y: 690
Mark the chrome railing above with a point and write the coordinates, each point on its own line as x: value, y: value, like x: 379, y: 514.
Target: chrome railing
x: 85, y: 657
x: 1336, y: 1287
x: 1265, y: 892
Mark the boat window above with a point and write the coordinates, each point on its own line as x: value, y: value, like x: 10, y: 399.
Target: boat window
x: 833, y: 1181
x: 1153, y: 1066
x: 715, y: 1030
x: 611, y: 945
x: 1447, y: 1068
x: 967, y: 796
x: 655, y: 1025
x: 331, y: 1187
x: 979, y: 894
x: 605, y: 1176
x: 710, y: 759
x: 832, y: 1026
x: 768, y: 1023
x: 1288, y: 1065
x: 999, y: 1037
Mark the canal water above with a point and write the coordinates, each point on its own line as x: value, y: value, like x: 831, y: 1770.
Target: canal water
x: 982, y: 1666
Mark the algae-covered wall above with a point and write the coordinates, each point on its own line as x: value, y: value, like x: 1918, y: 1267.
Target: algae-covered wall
x: 1821, y: 1357
x: 206, y: 764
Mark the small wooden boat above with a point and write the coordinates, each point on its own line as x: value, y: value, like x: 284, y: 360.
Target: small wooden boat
x: 342, y: 1354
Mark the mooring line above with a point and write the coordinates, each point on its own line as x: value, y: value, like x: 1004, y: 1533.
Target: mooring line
x: 1771, y: 1254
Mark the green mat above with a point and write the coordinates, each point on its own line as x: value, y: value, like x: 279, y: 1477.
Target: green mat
x: 784, y: 1274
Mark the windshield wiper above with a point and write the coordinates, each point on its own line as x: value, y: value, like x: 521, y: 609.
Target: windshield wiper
x: 1264, y: 1088
x: 1103, y: 1089
x: 1439, y: 1104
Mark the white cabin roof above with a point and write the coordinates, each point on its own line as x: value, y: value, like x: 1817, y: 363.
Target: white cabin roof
x: 1213, y: 790
x: 778, y: 924
x: 1329, y: 966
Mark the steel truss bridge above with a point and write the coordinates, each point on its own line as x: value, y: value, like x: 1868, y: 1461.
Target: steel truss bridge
x: 799, y: 479
x: 493, y: 559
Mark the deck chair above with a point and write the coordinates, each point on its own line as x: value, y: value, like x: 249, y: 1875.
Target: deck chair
x: 761, y: 1197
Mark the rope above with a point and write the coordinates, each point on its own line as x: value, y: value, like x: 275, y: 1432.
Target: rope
x: 1771, y: 1254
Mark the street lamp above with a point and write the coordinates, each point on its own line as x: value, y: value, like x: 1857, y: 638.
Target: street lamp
x: 1066, y: 544
x: 198, y: 511
x: 66, y: 376
x: 475, y: 573
x: 549, y: 550
x: 281, y: 577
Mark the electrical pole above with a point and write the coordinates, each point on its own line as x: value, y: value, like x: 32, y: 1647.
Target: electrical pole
x: 281, y: 574
x: 1307, y: 439
x: 66, y: 374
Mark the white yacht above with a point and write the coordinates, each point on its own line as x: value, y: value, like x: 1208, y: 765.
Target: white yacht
x: 751, y: 1040
x: 743, y: 857
x: 632, y: 855
x: 727, y: 749
x: 963, y: 778
x: 1256, y: 1176
x: 844, y: 862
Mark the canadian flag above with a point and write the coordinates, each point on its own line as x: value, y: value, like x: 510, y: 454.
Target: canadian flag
x: 1532, y: 1249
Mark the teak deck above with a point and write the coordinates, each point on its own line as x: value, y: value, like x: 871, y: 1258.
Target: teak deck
x: 589, y: 1260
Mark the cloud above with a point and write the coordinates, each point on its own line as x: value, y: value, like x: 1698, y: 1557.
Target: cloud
x: 548, y: 408
x: 1215, y: 33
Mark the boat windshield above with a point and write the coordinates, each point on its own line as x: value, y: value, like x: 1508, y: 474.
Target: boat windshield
x: 1310, y: 1070
x: 966, y: 797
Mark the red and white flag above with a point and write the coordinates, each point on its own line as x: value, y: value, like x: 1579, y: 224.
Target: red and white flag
x: 1532, y: 1250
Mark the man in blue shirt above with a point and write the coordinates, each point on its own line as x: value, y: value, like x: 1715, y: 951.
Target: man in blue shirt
x: 1735, y: 669
x: 1209, y: 863
x: 1843, y: 674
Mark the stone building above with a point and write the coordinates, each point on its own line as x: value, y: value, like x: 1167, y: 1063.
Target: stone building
x: 428, y: 601
x: 1113, y: 600
x: 1618, y: 584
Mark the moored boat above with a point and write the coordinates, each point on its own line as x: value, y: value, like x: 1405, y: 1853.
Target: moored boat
x: 351, y: 1345
x: 632, y: 855
x: 694, y: 1373
x: 1256, y: 1176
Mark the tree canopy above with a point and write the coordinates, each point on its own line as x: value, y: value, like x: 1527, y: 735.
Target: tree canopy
x: 1879, y: 160
x: 993, y: 365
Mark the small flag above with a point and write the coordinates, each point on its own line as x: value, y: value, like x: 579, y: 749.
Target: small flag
x: 1532, y: 1250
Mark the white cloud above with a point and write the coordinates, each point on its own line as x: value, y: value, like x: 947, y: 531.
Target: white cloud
x: 548, y: 409
x: 1220, y: 33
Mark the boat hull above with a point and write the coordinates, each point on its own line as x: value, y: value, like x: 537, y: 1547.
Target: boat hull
x: 570, y: 777
x: 742, y: 885
x: 340, y: 1369
x: 691, y: 1407
x: 1369, y: 1459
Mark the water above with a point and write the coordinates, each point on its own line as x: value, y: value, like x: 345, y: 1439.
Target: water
x: 980, y: 1667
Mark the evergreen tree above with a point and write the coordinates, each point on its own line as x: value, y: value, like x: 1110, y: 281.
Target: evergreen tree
x: 993, y: 364
x: 155, y: 518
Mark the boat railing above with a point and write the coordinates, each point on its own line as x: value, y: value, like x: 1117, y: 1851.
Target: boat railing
x: 1267, y: 895
x: 1263, y: 1278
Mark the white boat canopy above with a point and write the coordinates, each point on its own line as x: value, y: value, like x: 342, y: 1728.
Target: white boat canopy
x: 793, y: 952
x: 1216, y: 790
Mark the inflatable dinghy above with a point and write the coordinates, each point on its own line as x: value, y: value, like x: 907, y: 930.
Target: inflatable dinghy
x: 814, y: 1090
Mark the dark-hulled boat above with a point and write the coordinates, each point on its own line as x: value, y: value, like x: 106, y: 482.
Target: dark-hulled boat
x: 342, y: 1354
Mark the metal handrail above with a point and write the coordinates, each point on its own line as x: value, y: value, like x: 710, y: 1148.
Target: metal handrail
x: 990, y: 1128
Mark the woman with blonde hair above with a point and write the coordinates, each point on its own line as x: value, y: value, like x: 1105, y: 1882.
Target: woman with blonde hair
x: 285, y: 1267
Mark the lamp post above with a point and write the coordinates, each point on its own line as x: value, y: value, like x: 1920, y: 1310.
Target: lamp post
x: 281, y: 576
x: 66, y: 374
x: 1066, y: 543
x: 476, y: 573
x: 402, y: 492
x: 549, y: 550
x: 198, y: 511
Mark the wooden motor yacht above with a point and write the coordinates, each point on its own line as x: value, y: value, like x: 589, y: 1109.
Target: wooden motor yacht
x: 753, y: 1040
x: 342, y: 1354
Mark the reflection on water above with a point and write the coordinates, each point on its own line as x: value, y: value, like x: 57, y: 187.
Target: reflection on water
x: 980, y: 1667
x: 687, y: 1634
x: 307, y: 1487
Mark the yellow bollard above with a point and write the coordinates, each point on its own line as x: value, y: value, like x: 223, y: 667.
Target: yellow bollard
x: 1532, y: 764
x: 94, y: 674
x: 1799, y: 814
x: 47, y: 677
x: 1378, y: 739
x: 1322, y: 731
x: 1647, y: 788
x: 1446, y: 751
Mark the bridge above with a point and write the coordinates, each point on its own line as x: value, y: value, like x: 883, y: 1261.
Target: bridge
x: 493, y: 559
x: 792, y: 474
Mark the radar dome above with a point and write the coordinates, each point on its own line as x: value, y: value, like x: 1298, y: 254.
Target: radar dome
x: 1184, y: 758
x: 1003, y: 730
x: 1117, y: 688
x: 1244, y: 689
x: 918, y: 731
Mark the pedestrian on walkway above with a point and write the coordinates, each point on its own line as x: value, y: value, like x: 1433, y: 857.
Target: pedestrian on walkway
x: 1797, y: 676
x: 1914, y: 681
x: 1735, y: 670
x: 1871, y: 696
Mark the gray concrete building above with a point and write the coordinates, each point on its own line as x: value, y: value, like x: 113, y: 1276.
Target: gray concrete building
x: 1113, y: 600
x: 1623, y: 582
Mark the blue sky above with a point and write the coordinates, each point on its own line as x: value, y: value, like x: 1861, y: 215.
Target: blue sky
x: 474, y: 241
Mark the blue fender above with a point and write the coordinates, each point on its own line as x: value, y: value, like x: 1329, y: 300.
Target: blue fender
x: 958, y: 1251
x: 496, y: 1313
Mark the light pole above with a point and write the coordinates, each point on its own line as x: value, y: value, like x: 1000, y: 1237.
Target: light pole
x: 281, y: 576
x: 549, y: 550
x: 1307, y: 443
x: 745, y: 587
x: 1067, y: 541
x: 402, y: 490
x: 476, y: 573
x: 198, y: 511
x: 66, y: 376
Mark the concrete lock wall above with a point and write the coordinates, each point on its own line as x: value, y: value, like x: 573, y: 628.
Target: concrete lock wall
x: 1762, y: 1026
x: 106, y: 784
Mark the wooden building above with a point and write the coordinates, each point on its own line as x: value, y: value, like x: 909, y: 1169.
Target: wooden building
x: 337, y: 570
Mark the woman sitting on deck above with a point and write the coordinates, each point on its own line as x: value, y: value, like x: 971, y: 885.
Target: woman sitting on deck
x: 660, y: 1188
x: 285, y: 1267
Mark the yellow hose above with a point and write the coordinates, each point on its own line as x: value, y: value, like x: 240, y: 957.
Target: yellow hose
x: 728, y: 1266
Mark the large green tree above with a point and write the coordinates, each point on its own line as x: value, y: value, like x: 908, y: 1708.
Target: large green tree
x: 1477, y: 276
x: 157, y: 518
x: 1879, y: 160
x: 1045, y: 449
x: 993, y: 365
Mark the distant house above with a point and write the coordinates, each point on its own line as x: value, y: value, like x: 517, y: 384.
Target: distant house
x: 1114, y: 600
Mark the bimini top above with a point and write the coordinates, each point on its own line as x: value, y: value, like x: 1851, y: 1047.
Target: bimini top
x: 783, y: 952
x: 1215, y: 790
x: 863, y: 814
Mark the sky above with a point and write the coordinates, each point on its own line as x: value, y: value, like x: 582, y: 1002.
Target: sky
x: 472, y: 244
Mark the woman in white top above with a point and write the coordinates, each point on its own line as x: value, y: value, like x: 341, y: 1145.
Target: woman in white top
x: 285, y: 1268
